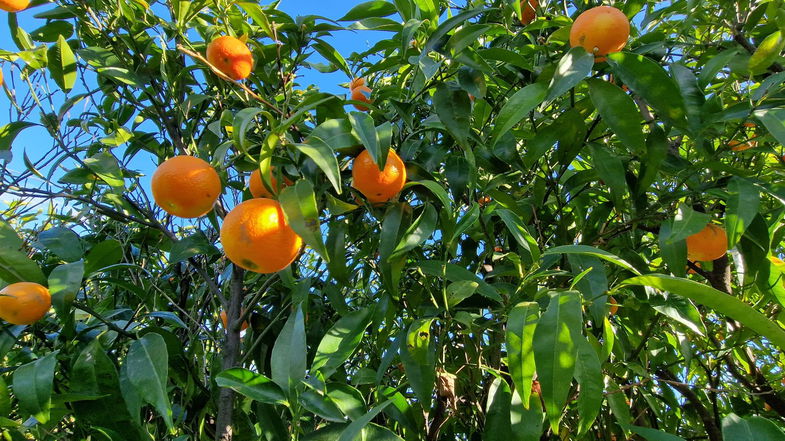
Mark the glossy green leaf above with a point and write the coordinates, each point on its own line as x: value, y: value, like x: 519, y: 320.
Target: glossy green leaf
x: 527, y: 422
x: 521, y: 323
x: 63, y: 242
x: 767, y: 52
x: 288, y: 363
x: 741, y: 208
x: 353, y: 430
x: 375, y: 8
x: 191, y: 246
x: 774, y: 121
x: 298, y: 202
x: 588, y: 373
x: 32, y: 384
x: 555, y: 351
x: 106, y: 167
x: 652, y: 434
x: 364, y: 128
x: 102, y: 255
x: 390, y: 233
x: 520, y: 233
x: 650, y: 81
x: 620, y: 113
x: 9, y: 132
x: 574, y: 66
x: 15, y: 266
x: 321, y: 405
x: 254, y: 386
x: 617, y: 401
x: 454, y: 110
x: 324, y: 157
x: 610, y: 168
x: 419, y: 231
x: 716, y: 300
x: 497, y: 414
x: 418, y: 355
x: 687, y: 222
x: 592, y: 251
x: 147, y: 364
x: 94, y: 373
x: 62, y: 64
x: 517, y: 108
x: 455, y: 273
x: 340, y: 341
x: 64, y: 283
x: 437, y: 38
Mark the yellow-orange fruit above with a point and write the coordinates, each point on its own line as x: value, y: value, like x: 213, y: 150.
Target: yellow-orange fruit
x: 749, y: 124
x: 1, y: 78
x: 614, y: 308
x: 256, y: 237
x: 601, y: 31
x: 186, y: 186
x: 738, y: 146
x: 231, y: 56
x: 14, y: 5
x: 378, y: 185
x: 24, y: 303
x: 361, y: 93
x: 528, y: 11
x: 707, y: 245
x: 356, y: 82
x: 224, y: 320
x: 258, y: 190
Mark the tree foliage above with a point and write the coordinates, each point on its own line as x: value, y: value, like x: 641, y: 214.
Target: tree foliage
x: 475, y: 304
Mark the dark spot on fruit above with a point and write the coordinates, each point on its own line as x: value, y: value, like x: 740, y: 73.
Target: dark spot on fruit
x: 249, y: 264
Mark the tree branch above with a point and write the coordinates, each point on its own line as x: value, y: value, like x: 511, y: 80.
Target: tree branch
x: 231, y: 351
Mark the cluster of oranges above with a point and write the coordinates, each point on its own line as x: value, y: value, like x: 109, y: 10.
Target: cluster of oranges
x: 360, y: 92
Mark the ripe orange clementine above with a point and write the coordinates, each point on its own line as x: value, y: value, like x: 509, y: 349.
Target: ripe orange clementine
x: 356, y: 82
x: 361, y: 93
x: 601, y: 30
x: 231, y: 56
x: 24, y: 303
x: 484, y: 200
x: 528, y: 11
x: 738, y: 146
x: 750, y: 125
x: 707, y: 245
x: 614, y: 308
x: 377, y: 185
x: 186, y: 186
x: 224, y: 319
x: 14, y: 5
x: 258, y: 190
x: 256, y: 236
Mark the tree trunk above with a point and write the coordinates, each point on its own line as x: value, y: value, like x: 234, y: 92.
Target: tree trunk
x: 231, y: 351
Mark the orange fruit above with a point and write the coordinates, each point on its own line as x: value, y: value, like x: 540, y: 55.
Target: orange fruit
x: 224, y: 319
x: 378, y: 185
x: 24, y: 303
x: 750, y: 124
x: 709, y: 244
x: 14, y: 5
x: 356, y: 82
x: 231, y: 56
x: 528, y: 11
x: 738, y: 146
x: 361, y: 93
x: 614, y: 308
x: 601, y: 31
x: 186, y: 186
x: 258, y: 190
x: 256, y: 236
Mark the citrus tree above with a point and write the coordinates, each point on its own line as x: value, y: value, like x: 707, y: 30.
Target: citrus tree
x: 522, y: 221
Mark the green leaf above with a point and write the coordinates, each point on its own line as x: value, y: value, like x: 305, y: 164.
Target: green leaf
x: 324, y: 157
x: 191, y: 246
x: 321, y: 405
x: 5, y: 398
x: 241, y: 123
x: 330, y: 54
x: 147, y: 364
x: 465, y: 222
x: 520, y: 233
x: 298, y: 202
x: 656, y: 151
x: 362, y: 123
x: 288, y: 363
x: 106, y: 167
x: 592, y: 251
x: 258, y: 16
x: 376, y: 8
x: 620, y: 113
x: 767, y: 52
x: 714, y: 65
x: 716, y: 300
x: 652, y: 434
x: 348, y: 399
x: 417, y: 233
x: 774, y: 121
x: 439, y: 35
x: 610, y: 168
x: 574, y: 66
x: 764, y: 429
x: 102, y: 255
x: 455, y: 273
x: 516, y: 108
x: 454, y: 110
x: 353, y: 430
x: 674, y: 253
x: 419, y: 360
x: 687, y: 222
x: 15, y: 266
x: 33, y: 384
x: 497, y: 415
x: 340, y: 342
x: 521, y: 325
x: 9, y: 131
x: 63, y: 242
x: 650, y: 81
x: 434, y: 188
x: 617, y: 401
x: 62, y: 64
x: 555, y: 351
x: 460, y: 291
x: 741, y: 208
x: 526, y: 420
x: 254, y: 386
x: 391, y: 230
x: 64, y: 283
x: 588, y: 372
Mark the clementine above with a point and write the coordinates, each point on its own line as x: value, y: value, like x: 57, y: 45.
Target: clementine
x: 356, y: 82
x: 224, y: 319
x: 614, y: 308
x: 186, y: 186
x: 528, y: 11
x: 24, y: 303
x: 231, y: 56
x: 601, y: 30
x: 14, y: 5
x: 258, y: 190
x: 378, y: 185
x: 707, y: 245
x: 750, y: 124
x: 361, y: 93
x: 738, y: 146
x: 256, y: 236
